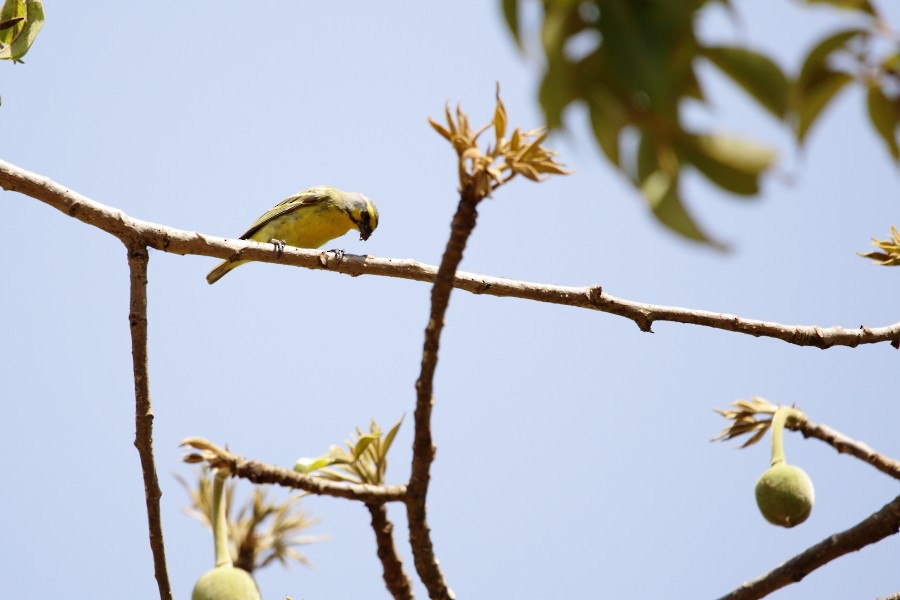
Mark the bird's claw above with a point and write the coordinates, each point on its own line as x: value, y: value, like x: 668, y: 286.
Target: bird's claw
x: 338, y: 254
x: 279, y: 246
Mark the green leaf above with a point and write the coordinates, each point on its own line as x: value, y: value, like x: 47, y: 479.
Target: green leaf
x: 10, y: 22
x: 812, y: 99
x: 860, y: 5
x: 511, y: 16
x: 739, y: 153
x: 308, y: 465
x: 647, y: 162
x: 12, y: 10
x: 558, y: 26
x: 818, y: 82
x: 661, y: 192
x: 884, y: 113
x: 340, y: 476
x: 34, y: 21
x: 734, y: 164
x: 363, y: 442
x: 692, y: 87
x: 816, y: 62
x: 389, y: 438
x: 555, y: 93
x: 608, y: 118
x: 759, y: 75
x: 649, y: 49
x: 726, y: 178
x: 366, y: 474
x: 655, y: 186
x: 891, y: 64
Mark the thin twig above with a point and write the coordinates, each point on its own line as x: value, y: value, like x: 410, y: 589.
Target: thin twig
x: 138, y: 257
x: 395, y: 578
x: 846, y: 445
x: 590, y: 297
x: 258, y: 472
x: 873, y: 529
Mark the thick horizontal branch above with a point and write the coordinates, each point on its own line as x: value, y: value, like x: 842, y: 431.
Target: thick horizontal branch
x: 258, y: 472
x: 178, y: 241
x: 874, y: 528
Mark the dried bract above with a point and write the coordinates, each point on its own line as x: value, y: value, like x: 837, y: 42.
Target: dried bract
x: 481, y: 171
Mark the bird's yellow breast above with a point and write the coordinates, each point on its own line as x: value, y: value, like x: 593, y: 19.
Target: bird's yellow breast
x: 307, y: 227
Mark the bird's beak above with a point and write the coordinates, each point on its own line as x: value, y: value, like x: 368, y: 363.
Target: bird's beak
x: 365, y: 230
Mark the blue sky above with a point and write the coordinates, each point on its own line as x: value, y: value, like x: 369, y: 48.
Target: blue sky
x: 573, y: 453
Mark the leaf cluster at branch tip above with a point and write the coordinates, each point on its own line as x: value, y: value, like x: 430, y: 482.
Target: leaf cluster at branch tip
x: 890, y: 257
x: 483, y: 171
x: 745, y: 417
x: 364, y: 460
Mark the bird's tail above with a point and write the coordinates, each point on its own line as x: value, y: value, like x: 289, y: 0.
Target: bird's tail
x: 221, y: 269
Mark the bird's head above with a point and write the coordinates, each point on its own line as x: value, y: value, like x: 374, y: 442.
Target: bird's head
x: 363, y: 213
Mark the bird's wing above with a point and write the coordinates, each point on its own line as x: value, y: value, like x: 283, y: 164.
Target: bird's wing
x: 303, y: 199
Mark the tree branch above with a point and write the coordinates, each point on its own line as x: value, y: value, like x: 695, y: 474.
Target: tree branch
x: 423, y: 447
x: 395, y: 578
x: 846, y: 445
x: 138, y: 258
x: 873, y: 529
x: 258, y: 472
x: 178, y: 241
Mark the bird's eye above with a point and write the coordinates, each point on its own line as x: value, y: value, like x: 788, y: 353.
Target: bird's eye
x: 364, y: 216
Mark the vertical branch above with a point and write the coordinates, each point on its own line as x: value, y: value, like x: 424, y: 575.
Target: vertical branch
x: 395, y: 578
x: 423, y: 447
x: 143, y: 416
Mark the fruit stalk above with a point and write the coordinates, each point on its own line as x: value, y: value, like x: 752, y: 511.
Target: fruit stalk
x: 219, y: 521
x: 778, y: 421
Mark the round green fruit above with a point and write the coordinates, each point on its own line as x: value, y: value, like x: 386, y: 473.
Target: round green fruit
x: 785, y: 495
x: 226, y: 583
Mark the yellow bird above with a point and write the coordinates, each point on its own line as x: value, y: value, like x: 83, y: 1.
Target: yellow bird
x: 308, y: 219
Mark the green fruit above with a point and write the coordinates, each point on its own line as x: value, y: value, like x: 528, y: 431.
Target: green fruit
x: 226, y: 583
x: 785, y: 495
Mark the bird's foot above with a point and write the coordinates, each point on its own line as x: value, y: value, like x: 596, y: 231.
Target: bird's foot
x: 338, y: 254
x: 279, y: 246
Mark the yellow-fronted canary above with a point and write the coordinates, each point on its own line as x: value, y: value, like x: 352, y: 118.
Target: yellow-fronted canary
x: 308, y: 219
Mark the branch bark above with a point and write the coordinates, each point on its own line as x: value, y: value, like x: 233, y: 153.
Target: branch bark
x: 846, y: 445
x: 258, y: 472
x: 873, y: 529
x: 395, y: 578
x: 138, y: 258
x: 423, y: 447
x: 592, y: 297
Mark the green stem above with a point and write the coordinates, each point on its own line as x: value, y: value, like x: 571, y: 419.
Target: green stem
x: 219, y: 522
x: 782, y: 414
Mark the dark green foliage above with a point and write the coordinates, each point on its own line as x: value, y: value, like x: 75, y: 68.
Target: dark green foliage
x: 632, y: 64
